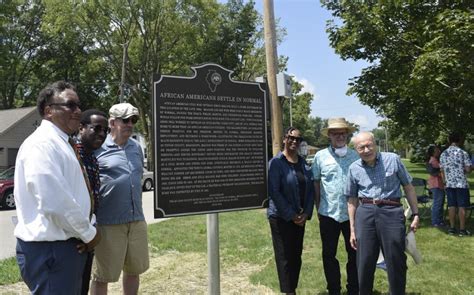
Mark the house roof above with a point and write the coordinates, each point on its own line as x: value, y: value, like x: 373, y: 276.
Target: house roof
x: 11, y: 117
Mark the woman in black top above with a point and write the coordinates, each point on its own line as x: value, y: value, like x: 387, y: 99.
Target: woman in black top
x: 291, y: 193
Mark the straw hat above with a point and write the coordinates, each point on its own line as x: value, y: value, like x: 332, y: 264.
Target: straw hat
x: 337, y: 123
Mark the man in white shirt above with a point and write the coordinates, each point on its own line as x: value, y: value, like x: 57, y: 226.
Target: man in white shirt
x: 53, y: 201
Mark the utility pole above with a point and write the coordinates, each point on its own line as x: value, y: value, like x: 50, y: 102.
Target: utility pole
x: 291, y: 112
x: 272, y: 69
x: 124, y: 62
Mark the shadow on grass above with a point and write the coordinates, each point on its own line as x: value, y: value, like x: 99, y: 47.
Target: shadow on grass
x: 375, y: 292
x: 418, y: 170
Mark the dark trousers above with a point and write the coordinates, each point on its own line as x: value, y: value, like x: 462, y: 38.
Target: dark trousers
x: 86, y: 275
x: 330, y: 230
x: 379, y: 226
x: 287, y: 240
x: 51, y: 267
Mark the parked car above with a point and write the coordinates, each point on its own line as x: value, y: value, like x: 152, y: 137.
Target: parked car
x: 147, y: 180
x: 7, y: 201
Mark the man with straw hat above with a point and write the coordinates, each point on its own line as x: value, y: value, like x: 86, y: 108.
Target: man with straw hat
x: 330, y: 174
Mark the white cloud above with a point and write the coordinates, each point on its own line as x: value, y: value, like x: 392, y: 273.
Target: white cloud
x: 307, y: 85
x: 360, y: 120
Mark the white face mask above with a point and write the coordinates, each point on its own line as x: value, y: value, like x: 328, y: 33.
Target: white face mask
x: 341, y: 152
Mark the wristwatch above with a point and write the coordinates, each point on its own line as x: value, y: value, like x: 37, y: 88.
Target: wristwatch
x: 415, y: 214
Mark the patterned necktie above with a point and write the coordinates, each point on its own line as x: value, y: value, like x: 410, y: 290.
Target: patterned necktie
x: 84, y: 173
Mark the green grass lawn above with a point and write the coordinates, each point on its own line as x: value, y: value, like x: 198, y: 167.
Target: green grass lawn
x: 245, y: 237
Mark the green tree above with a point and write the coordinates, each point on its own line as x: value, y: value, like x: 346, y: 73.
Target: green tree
x: 318, y: 124
x: 421, y: 58
x: 70, y: 54
x: 83, y: 42
x: 20, y: 40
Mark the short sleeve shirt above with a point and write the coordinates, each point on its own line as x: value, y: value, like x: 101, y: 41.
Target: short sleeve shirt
x: 121, y: 170
x: 452, y: 161
x: 331, y: 170
x: 379, y: 182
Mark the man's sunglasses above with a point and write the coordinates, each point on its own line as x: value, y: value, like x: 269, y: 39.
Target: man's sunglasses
x: 294, y: 138
x: 71, y: 105
x: 99, y: 128
x: 133, y: 119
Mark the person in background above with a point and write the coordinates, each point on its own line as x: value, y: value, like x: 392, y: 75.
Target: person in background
x: 436, y: 186
x: 378, y: 222
x: 54, y: 207
x: 330, y: 169
x: 92, y: 132
x: 455, y: 164
x: 291, y: 199
x: 120, y: 217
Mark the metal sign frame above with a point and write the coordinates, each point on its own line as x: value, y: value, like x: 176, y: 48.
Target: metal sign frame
x: 209, y: 81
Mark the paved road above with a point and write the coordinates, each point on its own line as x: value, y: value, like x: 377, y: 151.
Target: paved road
x: 8, y: 241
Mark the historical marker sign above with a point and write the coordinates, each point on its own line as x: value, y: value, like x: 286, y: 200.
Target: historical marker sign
x: 210, y: 143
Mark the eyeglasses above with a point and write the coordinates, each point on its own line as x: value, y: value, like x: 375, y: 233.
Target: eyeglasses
x: 99, y: 128
x: 362, y: 148
x: 133, y: 119
x: 294, y: 138
x: 338, y: 134
x: 71, y: 105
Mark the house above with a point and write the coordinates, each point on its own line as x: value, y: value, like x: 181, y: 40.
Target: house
x: 15, y: 126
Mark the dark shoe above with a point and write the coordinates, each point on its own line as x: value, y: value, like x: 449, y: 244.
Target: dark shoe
x: 452, y: 231
x: 463, y: 232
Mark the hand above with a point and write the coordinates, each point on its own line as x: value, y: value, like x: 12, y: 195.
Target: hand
x: 81, y: 248
x: 353, y: 240
x: 88, y: 247
x: 300, y: 219
x: 415, y: 223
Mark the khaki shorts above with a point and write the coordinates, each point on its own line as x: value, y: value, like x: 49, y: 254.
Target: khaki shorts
x: 122, y: 247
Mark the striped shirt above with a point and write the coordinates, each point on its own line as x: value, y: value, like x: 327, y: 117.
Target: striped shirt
x: 379, y: 182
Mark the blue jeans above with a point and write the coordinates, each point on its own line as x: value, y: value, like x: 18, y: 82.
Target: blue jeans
x: 438, y: 204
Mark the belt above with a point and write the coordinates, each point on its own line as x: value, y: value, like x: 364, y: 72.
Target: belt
x: 389, y: 202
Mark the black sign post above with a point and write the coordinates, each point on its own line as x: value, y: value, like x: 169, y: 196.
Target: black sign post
x: 210, y: 143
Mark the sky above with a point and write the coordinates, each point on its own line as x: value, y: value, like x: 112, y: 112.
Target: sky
x: 316, y: 65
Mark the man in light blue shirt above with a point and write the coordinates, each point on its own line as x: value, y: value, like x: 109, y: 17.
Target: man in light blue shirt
x: 376, y: 214
x: 120, y: 215
x: 330, y: 169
